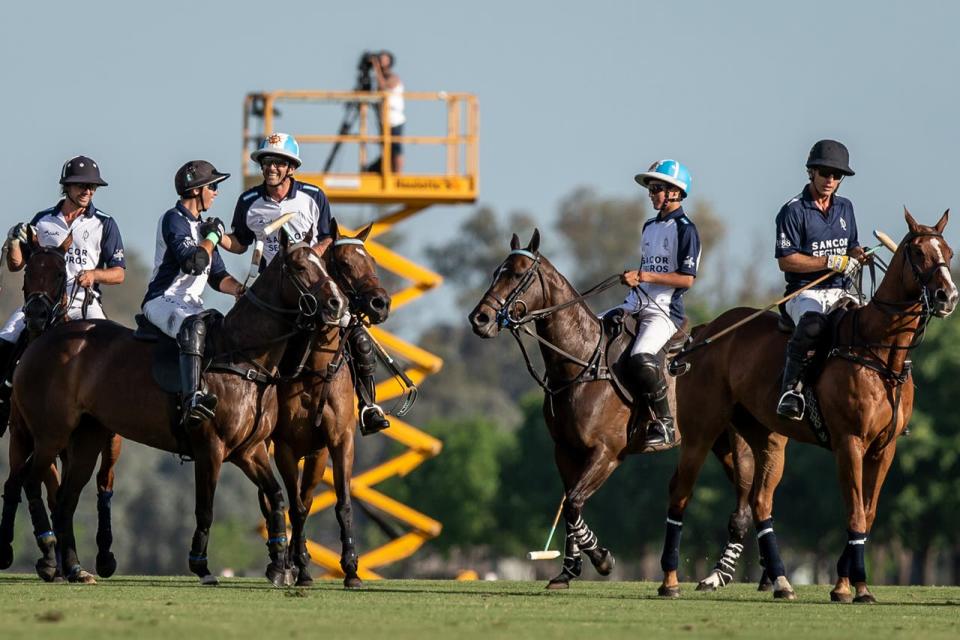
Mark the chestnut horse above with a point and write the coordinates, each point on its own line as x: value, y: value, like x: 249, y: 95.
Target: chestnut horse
x: 316, y: 416
x: 45, y: 304
x: 587, y: 417
x: 104, y: 385
x: 865, y: 393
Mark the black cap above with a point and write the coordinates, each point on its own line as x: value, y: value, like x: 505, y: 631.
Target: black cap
x: 81, y: 170
x: 830, y: 154
x: 196, y: 174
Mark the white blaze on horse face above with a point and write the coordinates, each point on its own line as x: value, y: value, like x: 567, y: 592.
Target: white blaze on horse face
x: 360, y: 251
x: 952, y: 289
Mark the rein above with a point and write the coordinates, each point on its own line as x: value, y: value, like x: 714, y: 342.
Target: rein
x: 591, y: 369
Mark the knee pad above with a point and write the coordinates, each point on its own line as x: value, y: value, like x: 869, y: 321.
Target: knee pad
x: 812, y: 325
x: 363, y: 352
x: 192, y: 336
x: 645, y: 369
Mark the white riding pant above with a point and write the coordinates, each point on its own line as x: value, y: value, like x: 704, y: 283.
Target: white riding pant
x: 654, y: 328
x: 15, y: 325
x: 169, y: 313
x: 819, y: 300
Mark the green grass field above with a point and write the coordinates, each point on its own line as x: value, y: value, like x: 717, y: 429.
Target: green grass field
x: 142, y: 607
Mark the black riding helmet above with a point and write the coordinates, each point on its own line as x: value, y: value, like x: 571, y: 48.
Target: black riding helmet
x: 81, y: 170
x: 830, y: 154
x: 196, y: 174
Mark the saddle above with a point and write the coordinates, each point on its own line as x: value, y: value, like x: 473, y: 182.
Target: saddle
x: 620, y: 332
x: 166, y: 353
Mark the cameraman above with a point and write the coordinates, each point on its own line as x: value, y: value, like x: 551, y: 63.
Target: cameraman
x: 390, y: 82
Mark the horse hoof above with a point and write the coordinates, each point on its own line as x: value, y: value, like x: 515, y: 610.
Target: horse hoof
x: 6, y: 556
x: 606, y: 564
x: 290, y: 577
x: 81, y: 577
x: 304, y: 579
x: 276, y: 576
x: 46, y: 571
x: 669, y: 592
x: 106, y: 564
x: 765, y: 584
x: 841, y: 597
x: 784, y: 594
x: 557, y: 584
x: 352, y: 582
x: 865, y: 598
x: 705, y: 586
x: 209, y: 580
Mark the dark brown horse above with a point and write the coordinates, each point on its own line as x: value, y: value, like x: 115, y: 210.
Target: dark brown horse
x: 103, y: 384
x: 865, y: 395
x: 45, y: 304
x: 587, y: 417
x: 316, y: 412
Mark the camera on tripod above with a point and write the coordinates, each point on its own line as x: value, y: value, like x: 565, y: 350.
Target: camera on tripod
x: 364, y: 67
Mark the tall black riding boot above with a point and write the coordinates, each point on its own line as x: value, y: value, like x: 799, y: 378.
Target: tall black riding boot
x: 650, y: 385
x: 802, y: 345
x: 364, y: 357
x: 198, y: 406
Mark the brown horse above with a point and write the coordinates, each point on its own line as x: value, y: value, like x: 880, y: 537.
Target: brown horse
x: 316, y: 416
x: 104, y: 385
x: 45, y: 304
x: 865, y: 395
x: 586, y: 416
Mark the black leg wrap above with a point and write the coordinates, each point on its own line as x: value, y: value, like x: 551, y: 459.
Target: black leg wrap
x: 104, y: 522
x: 769, y: 551
x: 852, y: 563
x: 198, y: 553
x: 670, y: 558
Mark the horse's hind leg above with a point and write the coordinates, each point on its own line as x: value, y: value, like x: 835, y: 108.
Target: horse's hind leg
x: 341, y: 454
x: 106, y: 562
x: 255, y: 463
x: 581, y: 479
x: 737, y: 460
x: 84, y: 448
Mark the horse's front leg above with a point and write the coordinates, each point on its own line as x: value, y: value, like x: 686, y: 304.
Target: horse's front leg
x: 20, y: 447
x: 286, y: 463
x: 106, y: 562
x: 310, y: 479
x: 770, y: 458
x: 582, y: 477
x: 207, y: 464
x: 341, y: 454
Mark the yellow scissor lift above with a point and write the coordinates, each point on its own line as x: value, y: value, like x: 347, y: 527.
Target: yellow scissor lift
x: 407, y: 194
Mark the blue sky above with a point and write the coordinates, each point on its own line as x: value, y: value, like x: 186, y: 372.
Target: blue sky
x: 571, y: 93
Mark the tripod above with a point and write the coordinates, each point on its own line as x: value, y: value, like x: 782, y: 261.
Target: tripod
x: 352, y: 111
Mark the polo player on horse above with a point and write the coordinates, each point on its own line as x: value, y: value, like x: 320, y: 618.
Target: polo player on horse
x: 669, y: 260
x: 816, y: 234
x: 95, y: 257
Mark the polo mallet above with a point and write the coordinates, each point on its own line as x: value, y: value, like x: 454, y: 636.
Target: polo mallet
x: 677, y: 367
x: 551, y: 554
x: 258, y: 247
x: 886, y: 240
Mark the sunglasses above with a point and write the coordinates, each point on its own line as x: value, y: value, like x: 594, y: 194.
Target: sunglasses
x: 212, y: 187
x: 86, y: 187
x: 830, y: 173
x: 276, y: 162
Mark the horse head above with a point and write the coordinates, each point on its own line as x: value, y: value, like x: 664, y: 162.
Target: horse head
x: 355, y: 271
x: 925, y: 257
x: 44, y: 284
x: 297, y: 283
x: 517, y: 289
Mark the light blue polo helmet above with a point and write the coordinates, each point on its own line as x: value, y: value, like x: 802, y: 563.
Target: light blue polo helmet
x: 669, y: 171
x: 282, y: 145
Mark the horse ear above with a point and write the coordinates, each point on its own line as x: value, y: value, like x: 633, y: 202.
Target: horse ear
x: 514, y: 242
x: 66, y: 244
x: 366, y: 232
x: 32, y: 237
x: 911, y: 223
x: 534, y: 241
x: 941, y: 225
x: 334, y: 230
x: 284, y: 239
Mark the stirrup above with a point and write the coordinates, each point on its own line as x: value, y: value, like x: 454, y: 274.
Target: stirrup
x: 368, y: 429
x: 784, y: 411
x: 661, y: 440
x: 200, y: 407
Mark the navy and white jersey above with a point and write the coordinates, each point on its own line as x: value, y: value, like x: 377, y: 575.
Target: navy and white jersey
x: 670, y: 245
x: 178, y: 235
x: 255, y: 210
x: 96, y: 240
x: 803, y: 228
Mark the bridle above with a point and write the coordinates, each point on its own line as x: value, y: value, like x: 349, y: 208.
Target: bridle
x: 512, y: 313
x: 53, y: 307
x: 355, y: 292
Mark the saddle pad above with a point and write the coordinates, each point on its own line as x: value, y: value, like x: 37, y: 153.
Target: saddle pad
x: 166, y: 364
